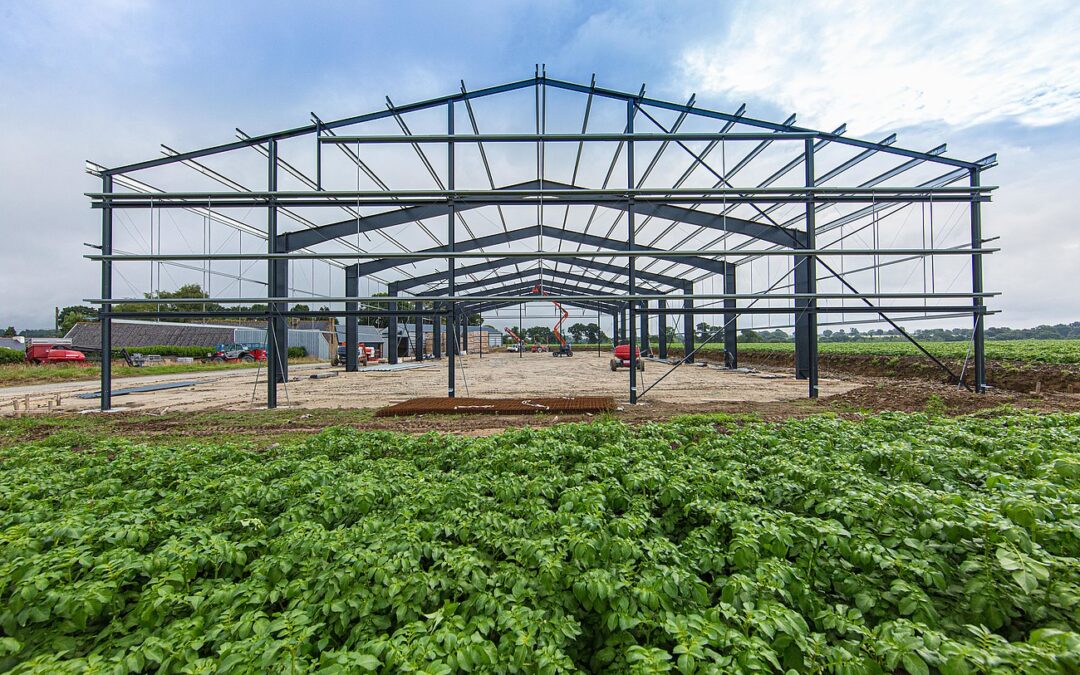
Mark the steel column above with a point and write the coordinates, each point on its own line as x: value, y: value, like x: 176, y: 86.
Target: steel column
x: 392, y: 328
x: 646, y: 347
x: 688, y: 324
x: 352, y: 288
x: 632, y: 262
x: 281, y: 323
x: 272, y: 357
x: 731, y: 328
x: 451, y: 245
x: 451, y: 337
x: 661, y: 328
x: 436, y: 334
x: 418, y: 335
x: 463, y: 327
x: 806, y: 350
x: 106, y: 293
x: 979, y: 337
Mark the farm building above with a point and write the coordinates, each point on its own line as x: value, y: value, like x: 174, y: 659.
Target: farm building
x: 369, y: 336
x: 11, y: 343
x: 479, y: 333
x: 648, y: 216
x: 131, y: 333
x: 366, y: 336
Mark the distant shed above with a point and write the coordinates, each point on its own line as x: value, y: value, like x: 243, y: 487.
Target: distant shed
x: 129, y: 333
x: 8, y: 343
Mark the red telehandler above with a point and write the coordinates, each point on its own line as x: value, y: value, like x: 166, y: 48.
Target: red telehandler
x: 518, y: 345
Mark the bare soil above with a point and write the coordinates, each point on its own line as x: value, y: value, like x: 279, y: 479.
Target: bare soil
x: 500, y: 375
x: 1014, y: 376
x: 221, y: 408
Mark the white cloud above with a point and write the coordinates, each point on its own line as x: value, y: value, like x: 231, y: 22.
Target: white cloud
x: 883, y: 66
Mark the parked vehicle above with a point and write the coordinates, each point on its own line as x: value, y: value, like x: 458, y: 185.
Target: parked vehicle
x: 517, y: 345
x: 363, y: 355
x: 621, y: 358
x: 41, y: 351
x: 140, y: 360
x: 238, y: 351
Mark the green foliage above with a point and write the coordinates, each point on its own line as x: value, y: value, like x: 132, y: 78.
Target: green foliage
x: 185, y: 291
x: 541, y: 334
x: 67, y: 317
x: 9, y: 332
x: 589, y: 333
x: 11, y: 356
x: 297, y: 352
x: 168, y: 350
x: 1040, y: 351
x: 902, y: 543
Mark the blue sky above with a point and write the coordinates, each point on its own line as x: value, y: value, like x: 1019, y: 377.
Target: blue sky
x: 110, y: 80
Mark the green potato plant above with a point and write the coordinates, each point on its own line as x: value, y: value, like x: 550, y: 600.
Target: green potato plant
x: 899, y: 543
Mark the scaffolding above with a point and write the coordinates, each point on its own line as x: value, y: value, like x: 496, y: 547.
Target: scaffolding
x: 785, y: 211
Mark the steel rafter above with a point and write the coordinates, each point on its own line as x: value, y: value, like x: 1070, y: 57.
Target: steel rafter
x: 578, y: 276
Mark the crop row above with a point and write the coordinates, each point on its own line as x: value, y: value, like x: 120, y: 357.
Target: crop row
x: 898, y: 543
x: 1039, y: 351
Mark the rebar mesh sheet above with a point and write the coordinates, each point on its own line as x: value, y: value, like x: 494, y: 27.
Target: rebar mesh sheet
x: 499, y: 406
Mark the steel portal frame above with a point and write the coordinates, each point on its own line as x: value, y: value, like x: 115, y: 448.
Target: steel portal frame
x: 631, y: 283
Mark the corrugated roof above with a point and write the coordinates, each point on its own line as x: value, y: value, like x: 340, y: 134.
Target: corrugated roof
x: 146, y: 333
x: 364, y: 334
x: 8, y: 343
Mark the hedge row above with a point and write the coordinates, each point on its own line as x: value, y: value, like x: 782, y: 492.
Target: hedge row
x: 11, y: 355
x: 196, y: 352
x: 167, y: 350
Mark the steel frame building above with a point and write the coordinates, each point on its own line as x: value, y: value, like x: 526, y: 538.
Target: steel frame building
x: 611, y: 273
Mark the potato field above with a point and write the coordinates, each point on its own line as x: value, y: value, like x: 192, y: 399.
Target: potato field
x: 900, y: 543
x: 1033, y: 351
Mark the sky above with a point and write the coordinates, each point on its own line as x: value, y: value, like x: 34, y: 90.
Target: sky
x: 110, y: 80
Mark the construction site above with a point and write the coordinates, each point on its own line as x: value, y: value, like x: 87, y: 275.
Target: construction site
x: 645, y: 217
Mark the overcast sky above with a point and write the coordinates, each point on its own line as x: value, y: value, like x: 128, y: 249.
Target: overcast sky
x: 109, y: 81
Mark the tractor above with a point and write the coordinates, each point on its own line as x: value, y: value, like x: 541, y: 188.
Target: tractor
x: 237, y: 352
